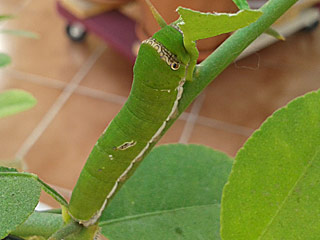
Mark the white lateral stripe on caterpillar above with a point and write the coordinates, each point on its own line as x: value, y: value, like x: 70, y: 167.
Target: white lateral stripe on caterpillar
x: 136, y: 159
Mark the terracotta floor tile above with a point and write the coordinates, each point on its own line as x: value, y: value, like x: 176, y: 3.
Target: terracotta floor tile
x: 112, y: 73
x: 12, y: 6
x: 53, y: 54
x: 301, y: 50
x: 15, y: 129
x: 60, y: 153
x: 247, y: 96
x: 174, y: 133
x: 217, y: 139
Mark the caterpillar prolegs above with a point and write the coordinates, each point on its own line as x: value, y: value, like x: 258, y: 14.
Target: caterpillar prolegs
x: 159, y: 76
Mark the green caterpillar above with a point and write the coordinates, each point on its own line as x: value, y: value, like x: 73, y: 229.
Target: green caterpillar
x: 164, y: 63
x: 139, y: 123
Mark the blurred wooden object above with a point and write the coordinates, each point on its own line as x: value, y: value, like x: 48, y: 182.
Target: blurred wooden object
x: 85, y: 8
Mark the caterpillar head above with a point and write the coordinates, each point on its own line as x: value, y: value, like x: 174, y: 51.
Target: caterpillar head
x: 164, y: 59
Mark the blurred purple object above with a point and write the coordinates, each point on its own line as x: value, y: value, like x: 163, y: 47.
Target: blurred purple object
x: 255, y: 4
x: 116, y: 29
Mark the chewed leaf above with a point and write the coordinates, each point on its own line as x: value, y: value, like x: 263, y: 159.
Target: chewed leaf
x: 196, y: 25
x: 242, y: 4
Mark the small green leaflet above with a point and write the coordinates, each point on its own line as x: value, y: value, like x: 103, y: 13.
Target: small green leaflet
x: 5, y: 17
x: 273, y: 190
x: 197, y: 25
x: 242, y: 4
x: 4, y: 59
x: 14, y: 101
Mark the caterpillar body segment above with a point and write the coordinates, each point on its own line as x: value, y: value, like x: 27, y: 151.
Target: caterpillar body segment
x: 157, y: 87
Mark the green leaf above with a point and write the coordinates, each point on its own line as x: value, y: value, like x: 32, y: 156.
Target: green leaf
x: 14, y: 101
x: 4, y: 60
x: 197, y: 25
x: 5, y: 17
x: 19, y: 195
x: 20, y: 33
x: 274, y: 33
x: 242, y: 4
x: 273, y: 191
x: 6, y: 169
x: 39, y: 224
x: 45, y: 187
x: 174, y: 194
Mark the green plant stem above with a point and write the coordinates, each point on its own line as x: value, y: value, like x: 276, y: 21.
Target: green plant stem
x: 66, y: 231
x: 39, y: 224
x: 212, y: 66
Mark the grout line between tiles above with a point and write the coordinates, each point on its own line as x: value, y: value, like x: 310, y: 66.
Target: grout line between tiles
x: 191, y: 119
x: 66, y: 193
x: 41, y: 80
x: 17, y: 11
x: 58, y: 104
x: 22, y: 6
x: 94, y: 93
x: 228, y: 127
x: 117, y: 99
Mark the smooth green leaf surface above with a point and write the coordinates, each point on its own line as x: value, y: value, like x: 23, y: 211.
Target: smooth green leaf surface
x: 174, y: 194
x: 14, y: 101
x: 41, y: 224
x: 197, y: 25
x: 273, y: 191
x: 4, y: 60
x: 242, y: 4
x: 19, y: 196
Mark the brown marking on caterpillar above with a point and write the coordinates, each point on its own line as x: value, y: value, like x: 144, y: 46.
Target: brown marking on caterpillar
x: 125, y: 145
x: 164, y: 53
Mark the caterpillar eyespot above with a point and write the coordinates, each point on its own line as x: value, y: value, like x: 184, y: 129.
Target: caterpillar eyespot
x: 175, y: 66
x: 153, y: 101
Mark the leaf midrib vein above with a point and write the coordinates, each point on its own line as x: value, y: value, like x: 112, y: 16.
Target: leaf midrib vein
x: 148, y: 214
x: 289, y: 194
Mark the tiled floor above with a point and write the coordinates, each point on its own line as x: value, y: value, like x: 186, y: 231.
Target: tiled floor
x: 80, y: 88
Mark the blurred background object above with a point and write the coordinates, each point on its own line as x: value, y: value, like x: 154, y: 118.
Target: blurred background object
x: 80, y: 87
